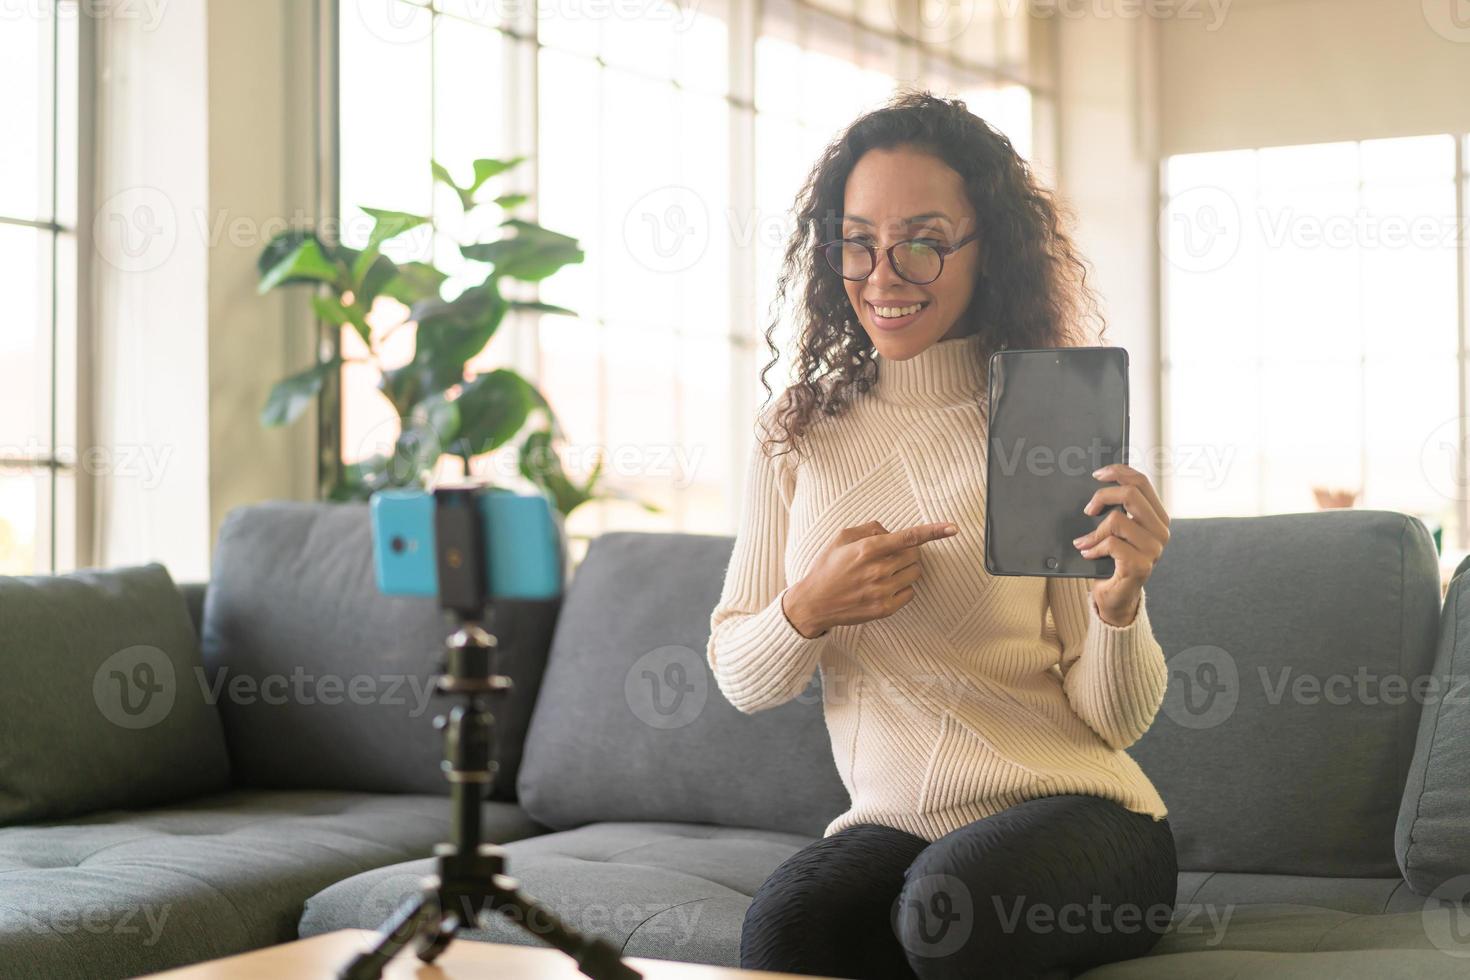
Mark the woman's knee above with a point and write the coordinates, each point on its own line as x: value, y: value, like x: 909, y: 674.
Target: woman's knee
x: 825, y: 909
x: 1064, y: 880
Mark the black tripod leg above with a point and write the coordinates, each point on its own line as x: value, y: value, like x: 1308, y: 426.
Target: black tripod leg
x: 432, y: 943
x: 595, y: 956
x: 418, y: 916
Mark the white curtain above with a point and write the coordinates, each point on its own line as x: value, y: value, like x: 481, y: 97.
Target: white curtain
x: 147, y: 352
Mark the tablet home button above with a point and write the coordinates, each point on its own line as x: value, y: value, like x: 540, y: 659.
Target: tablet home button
x: 1051, y: 563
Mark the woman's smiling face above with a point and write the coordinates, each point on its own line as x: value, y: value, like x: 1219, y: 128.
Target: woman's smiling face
x: 900, y: 193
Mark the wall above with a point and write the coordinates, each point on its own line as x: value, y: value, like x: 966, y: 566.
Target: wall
x: 1107, y: 174
x: 1276, y: 72
x: 261, y: 153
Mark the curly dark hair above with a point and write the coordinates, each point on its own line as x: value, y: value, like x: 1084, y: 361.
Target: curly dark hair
x: 1032, y: 289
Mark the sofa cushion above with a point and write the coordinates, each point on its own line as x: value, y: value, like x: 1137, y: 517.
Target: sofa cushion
x: 1433, y: 836
x: 680, y: 892
x: 100, y: 704
x: 665, y: 890
x: 301, y: 649
x: 630, y: 725
x: 1243, y: 925
x: 1288, y: 726
x: 122, y: 893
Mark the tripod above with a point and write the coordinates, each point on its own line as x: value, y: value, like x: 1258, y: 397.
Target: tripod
x: 470, y: 877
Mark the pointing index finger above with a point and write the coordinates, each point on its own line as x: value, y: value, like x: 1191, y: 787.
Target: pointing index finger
x: 911, y: 536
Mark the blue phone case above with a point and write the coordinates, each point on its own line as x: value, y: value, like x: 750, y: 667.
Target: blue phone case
x: 525, y: 550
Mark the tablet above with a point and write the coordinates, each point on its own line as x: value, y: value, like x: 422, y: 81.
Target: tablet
x: 1056, y: 414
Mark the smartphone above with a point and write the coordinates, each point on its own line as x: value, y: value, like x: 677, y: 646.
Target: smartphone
x: 523, y: 548
x: 1056, y: 415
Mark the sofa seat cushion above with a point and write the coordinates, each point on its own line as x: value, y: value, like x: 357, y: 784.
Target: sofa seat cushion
x: 680, y: 891
x: 1237, y: 925
x: 664, y: 890
x: 127, y: 892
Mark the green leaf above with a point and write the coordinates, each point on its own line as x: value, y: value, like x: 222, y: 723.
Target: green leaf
x: 540, y: 464
x: 292, y: 396
x: 534, y: 232
x: 388, y: 225
x: 414, y: 282
x: 485, y: 169
x: 530, y: 256
x: 532, y: 306
x: 303, y: 263
x: 441, y: 174
x: 493, y: 407
x: 330, y: 308
x: 508, y: 201
x: 283, y: 245
x: 450, y: 332
x: 362, y: 479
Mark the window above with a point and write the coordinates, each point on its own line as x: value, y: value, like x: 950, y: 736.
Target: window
x: 37, y: 308
x: 1312, y: 306
x: 670, y: 139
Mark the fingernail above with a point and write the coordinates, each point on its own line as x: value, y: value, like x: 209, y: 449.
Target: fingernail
x: 950, y: 529
x: 1098, y: 472
x: 1078, y: 541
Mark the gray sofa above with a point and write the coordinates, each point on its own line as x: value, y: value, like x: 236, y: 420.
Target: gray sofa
x: 1313, y: 749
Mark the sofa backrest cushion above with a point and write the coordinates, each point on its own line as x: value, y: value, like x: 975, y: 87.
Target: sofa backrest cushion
x: 1433, y: 837
x: 1286, y: 733
x: 100, y: 706
x: 630, y: 724
x: 323, y: 682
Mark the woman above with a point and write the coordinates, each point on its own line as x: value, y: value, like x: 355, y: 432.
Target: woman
x: 997, y: 827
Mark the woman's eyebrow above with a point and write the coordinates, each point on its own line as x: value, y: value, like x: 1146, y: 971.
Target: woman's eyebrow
x: 914, y: 220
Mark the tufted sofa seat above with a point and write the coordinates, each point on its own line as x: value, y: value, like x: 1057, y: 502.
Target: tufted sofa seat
x: 208, y: 878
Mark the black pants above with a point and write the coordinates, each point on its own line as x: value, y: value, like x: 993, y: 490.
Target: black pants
x: 1046, y: 888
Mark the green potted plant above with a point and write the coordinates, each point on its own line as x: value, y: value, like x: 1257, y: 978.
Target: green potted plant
x: 442, y: 408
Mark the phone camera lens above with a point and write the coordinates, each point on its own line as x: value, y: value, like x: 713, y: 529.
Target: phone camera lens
x: 397, y: 544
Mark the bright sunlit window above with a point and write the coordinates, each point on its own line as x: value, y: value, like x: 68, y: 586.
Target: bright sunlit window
x: 37, y: 307
x: 670, y: 140
x: 1312, y: 330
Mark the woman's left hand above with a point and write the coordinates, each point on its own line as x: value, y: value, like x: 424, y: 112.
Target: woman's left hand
x: 1133, y: 536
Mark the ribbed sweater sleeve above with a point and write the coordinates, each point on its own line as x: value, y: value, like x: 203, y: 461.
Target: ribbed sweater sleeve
x: 1114, y: 676
x: 758, y: 658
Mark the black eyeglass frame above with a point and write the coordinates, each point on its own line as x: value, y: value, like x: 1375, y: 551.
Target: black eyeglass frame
x: 943, y: 251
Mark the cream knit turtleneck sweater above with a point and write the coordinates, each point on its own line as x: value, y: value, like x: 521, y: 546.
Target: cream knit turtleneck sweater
x: 983, y: 691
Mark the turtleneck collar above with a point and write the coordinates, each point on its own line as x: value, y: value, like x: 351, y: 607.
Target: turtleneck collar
x: 947, y: 372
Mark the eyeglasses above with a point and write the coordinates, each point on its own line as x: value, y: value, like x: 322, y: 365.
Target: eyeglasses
x: 917, y: 260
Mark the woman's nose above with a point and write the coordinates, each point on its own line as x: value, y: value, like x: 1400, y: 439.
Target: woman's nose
x: 883, y: 271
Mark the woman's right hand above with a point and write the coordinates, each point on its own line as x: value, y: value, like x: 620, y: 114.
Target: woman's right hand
x: 863, y: 573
